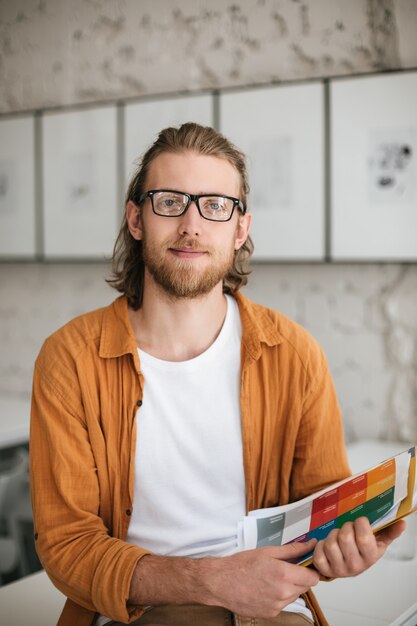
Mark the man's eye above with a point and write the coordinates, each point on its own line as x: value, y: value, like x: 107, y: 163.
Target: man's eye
x: 213, y: 204
x: 169, y: 204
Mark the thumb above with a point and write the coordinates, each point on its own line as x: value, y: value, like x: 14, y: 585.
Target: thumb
x: 295, y: 549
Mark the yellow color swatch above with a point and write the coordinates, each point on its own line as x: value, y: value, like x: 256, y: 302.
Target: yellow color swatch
x: 380, y: 479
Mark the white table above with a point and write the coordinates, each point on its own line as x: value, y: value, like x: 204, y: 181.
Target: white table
x: 14, y: 422
x: 31, y: 601
x: 385, y: 592
x: 408, y: 618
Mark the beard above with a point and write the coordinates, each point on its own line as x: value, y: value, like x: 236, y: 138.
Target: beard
x: 179, y: 278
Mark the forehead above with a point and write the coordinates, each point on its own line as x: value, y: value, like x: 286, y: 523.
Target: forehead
x: 193, y: 173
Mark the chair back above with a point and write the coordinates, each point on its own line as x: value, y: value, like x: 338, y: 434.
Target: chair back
x: 12, y: 475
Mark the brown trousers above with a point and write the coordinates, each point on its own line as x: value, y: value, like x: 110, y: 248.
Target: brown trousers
x: 197, y: 615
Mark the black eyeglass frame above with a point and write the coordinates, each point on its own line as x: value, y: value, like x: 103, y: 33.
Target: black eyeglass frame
x: 192, y: 198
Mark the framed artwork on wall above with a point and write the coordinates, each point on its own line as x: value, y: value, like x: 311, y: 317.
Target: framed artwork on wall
x: 374, y: 167
x: 281, y: 130
x: 81, y: 212
x: 144, y: 120
x: 17, y: 187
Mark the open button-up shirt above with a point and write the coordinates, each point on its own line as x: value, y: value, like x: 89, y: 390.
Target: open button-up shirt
x: 87, y: 394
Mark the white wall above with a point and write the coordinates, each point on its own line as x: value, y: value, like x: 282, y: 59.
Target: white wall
x: 54, y: 52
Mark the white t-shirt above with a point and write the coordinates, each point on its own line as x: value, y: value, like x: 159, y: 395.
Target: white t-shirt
x: 189, y: 478
x: 189, y: 486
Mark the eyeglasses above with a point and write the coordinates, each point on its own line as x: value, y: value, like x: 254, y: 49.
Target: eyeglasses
x: 170, y: 203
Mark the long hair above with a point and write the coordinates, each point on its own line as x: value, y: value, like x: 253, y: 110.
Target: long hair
x: 127, y: 261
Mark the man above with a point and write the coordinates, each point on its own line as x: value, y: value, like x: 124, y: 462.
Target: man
x: 158, y: 421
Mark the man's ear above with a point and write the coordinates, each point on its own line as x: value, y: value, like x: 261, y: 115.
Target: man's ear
x: 134, y: 220
x: 242, y: 230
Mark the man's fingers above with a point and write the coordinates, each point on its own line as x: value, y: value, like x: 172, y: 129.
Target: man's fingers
x: 373, y: 546
x: 353, y: 548
x: 300, y: 576
x: 365, y: 541
x: 295, y: 549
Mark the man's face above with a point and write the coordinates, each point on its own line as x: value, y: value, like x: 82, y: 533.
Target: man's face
x: 188, y: 256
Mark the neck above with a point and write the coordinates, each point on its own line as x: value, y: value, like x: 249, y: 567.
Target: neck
x: 177, y: 329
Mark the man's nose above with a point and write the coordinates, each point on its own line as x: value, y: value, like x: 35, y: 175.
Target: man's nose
x: 191, y: 222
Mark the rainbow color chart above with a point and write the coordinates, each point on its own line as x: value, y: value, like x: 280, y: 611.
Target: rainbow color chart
x: 376, y: 494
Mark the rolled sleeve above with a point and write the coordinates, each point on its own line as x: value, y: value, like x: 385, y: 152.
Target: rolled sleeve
x: 83, y: 560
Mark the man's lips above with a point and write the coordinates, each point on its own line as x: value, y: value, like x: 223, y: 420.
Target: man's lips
x: 187, y: 253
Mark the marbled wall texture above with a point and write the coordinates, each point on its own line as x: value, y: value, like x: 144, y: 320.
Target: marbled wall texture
x: 56, y: 52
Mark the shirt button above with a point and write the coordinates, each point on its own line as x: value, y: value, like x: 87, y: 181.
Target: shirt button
x: 128, y: 512
x: 139, y: 402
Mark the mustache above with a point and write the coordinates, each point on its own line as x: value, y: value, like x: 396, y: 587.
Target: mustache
x: 187, y: 242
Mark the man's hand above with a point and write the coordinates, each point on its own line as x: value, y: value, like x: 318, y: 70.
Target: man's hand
x: 253, y: 583
x: 352, y: 549
x: 260, y: 583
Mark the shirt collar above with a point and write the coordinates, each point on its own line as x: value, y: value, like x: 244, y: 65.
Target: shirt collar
x: 258, y: 326
x: 117, y: 336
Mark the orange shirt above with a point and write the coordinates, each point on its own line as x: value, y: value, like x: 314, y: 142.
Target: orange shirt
x: 87, y: 393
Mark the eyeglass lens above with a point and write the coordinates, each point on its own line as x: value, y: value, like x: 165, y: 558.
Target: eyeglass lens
x: 172, y: 204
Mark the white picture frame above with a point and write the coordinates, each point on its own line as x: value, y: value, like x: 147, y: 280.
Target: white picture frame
x: 17, y: 188
x: 144, y: 120
x: 373, y: 142
x: 80, y: 191
x: 281, y: 130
